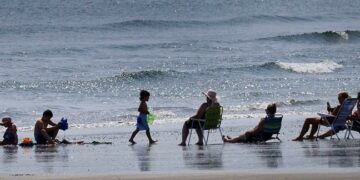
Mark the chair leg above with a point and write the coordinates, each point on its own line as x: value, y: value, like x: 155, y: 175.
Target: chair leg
x: 317, y: 134
x: 333, y: 130
x: 192, y: 123
x: 207, y: 137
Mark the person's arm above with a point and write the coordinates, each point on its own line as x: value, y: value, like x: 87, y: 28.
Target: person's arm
x: 40, y: 125
x: 200, y: 112
x: 143, y: 108
x: 52, y: 123
x: 257, y: 129
x: 334, y: 111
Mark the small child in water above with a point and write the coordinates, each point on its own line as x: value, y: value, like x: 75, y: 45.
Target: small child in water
x: 10, y: 135
x: 142, y: 118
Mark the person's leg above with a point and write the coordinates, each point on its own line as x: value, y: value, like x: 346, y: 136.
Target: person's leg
x: 200, y: 136
x: 314, y: 127
x: 305, y: 128
x: 151, y: 141
x: 52, y: 132
x: 239, y: 139
x: 326, y: 134
x: 131, y: 140
x: 185, y: 133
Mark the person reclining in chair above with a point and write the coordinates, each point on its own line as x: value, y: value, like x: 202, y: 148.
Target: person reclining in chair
x: 211, y: 101
x: 317, y: 121
x: 355, y: 117
x: 256, y: 133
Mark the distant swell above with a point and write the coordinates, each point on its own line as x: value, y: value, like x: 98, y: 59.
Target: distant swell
x: 321, y: 67
x: 158, y: 24
x: 327, y: 36
x: 90, y: 86
x: 152, y: 74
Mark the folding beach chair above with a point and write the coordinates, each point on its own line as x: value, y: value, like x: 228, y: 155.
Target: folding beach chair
x: 212, y: 121
x: 272, y: 126
x: 340, y: 119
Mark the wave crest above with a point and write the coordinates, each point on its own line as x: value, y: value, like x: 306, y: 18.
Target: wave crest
x: 327, y: 36
x: 312, y: 68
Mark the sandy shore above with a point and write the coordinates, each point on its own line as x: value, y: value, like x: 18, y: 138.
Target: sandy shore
x: 205, y: 175
x: 167, y: 160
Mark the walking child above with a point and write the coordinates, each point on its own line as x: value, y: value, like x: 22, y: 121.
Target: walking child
x: 142, y: 118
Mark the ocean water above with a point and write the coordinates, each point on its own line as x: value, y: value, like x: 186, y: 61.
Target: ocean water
x: 87, y: 60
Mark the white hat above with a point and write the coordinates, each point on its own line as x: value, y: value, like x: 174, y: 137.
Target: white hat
x: 211, y: 94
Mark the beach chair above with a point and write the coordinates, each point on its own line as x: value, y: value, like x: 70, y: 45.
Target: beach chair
x: 272, y: 126
x: 340, y: 119
x: 212, y: 121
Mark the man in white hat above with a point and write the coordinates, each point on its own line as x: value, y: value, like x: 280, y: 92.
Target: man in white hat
x: 10, y: 135
x: 211, y: 100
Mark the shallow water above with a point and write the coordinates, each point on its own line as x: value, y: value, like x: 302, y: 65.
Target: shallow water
x: 88, y: 60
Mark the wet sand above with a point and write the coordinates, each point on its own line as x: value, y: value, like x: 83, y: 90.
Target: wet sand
x: 165, y: 159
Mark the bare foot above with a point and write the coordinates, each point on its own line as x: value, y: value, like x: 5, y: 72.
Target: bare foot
x: 199, y: 143
x: 309, y: 137
x: 132, y: 142
x: 152, y: 141
x: 298, y: 139
x: 182, y: 144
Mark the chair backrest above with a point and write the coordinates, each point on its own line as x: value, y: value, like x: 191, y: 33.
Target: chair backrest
x: 344, y: 112
x: 213, y: 117
x: 272, y: 124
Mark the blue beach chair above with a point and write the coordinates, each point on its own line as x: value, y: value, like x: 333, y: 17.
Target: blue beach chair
x: 212, y: 121
x: 340, y: 119
x: 272, y: 126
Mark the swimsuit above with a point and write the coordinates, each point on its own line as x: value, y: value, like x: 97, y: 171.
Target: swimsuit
x: 142, y: 122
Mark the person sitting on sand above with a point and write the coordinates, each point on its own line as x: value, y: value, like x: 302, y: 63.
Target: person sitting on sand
x: 10, y: 135
x: 254, y: 134
x: 142, y: 118
x: 211, y: 100
x: 316, y: 121
x: 43, y: 134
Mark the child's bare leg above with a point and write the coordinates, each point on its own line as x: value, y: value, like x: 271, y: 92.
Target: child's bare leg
x: 131, y: 140
x: 151, y: 141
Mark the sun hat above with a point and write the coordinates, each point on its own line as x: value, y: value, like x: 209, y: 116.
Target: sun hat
x: 211, y: 94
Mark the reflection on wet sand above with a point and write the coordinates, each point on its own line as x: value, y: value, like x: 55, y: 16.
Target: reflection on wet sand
x: 143, y: 155
x: 48, y: 156
x: 334, y: 153
x: 10, y: 154
x: 203, y: 157
x: 270, y: 153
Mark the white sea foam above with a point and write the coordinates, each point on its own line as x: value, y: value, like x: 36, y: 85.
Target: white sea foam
x: 321, y: 67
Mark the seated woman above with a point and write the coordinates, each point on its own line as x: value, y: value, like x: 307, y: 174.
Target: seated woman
x: 254, y: 134
x: 316, y: 121
x: 10, y: 135
x: 211, y: 100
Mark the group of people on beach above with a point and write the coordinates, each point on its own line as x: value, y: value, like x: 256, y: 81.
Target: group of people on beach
x: 45, y: 130
x: 42, y: 132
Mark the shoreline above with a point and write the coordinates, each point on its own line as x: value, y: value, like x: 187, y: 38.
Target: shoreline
x: 204, y: 175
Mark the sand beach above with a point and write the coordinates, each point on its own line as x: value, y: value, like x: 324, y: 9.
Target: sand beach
x: 164, y: 160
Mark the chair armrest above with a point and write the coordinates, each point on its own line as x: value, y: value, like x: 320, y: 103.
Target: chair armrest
x: 326, y: 115
x: 200, y: 120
